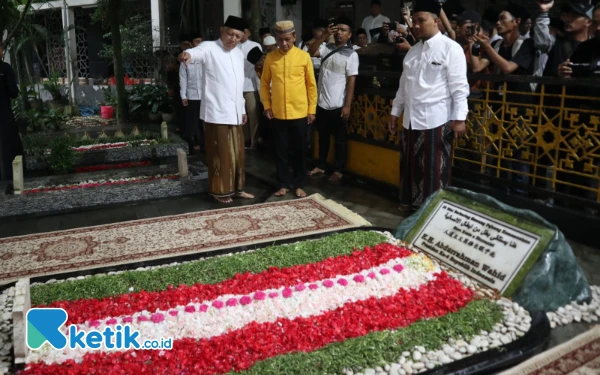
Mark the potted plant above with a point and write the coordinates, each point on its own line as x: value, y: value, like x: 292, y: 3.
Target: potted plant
x: 107, y: 110
x: 52, y: 86
x: 157, y: 97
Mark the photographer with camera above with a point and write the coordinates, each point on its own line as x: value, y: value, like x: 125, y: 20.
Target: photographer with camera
x: 374, y: 23
x: 585, y: 61
x: 577, y: 20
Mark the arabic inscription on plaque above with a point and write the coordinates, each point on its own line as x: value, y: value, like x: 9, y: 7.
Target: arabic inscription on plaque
x: 488, y: 250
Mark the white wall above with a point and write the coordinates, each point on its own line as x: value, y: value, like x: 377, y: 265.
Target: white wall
x: 293, y: 13
x: 232, y: 8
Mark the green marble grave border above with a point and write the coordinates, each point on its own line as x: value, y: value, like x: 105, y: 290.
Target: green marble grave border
x: 546, y: 234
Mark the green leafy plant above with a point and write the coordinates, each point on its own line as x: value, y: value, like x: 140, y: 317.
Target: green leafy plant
x: 53, y: 87
x: 62, y: 156
x: 109, y: 98
x: 44, y: 120
x: 151, y: 98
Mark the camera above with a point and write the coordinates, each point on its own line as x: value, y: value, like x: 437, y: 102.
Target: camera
x: 586, y: 69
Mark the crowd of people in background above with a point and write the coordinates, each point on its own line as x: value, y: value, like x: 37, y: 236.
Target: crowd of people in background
x: 280, y: 92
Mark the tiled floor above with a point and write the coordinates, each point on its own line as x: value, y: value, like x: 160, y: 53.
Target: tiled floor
x: 376, y: 204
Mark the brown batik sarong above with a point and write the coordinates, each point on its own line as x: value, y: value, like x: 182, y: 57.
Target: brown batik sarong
x: 425, y: 163
x: 225, y: 159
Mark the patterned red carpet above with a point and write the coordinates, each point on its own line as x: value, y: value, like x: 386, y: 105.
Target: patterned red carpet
x: 580, y: 356
x: 169, y: 236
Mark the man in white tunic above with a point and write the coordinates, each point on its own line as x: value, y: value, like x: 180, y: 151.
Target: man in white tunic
x: 222, y: 109
x: 433, y: 96
x: 251, y: 87
x: 190, y: 86
x: 374, y: 22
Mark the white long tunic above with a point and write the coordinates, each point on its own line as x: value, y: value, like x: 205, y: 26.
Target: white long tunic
x: 251, y: 82
x: 433, y: 87
x: 190, y: 81
x: 223, y: 84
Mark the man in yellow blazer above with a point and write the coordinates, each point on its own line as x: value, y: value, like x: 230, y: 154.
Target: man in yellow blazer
x: 288, y: 92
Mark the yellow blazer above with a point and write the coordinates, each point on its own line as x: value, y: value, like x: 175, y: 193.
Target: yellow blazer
x: 287, y: 84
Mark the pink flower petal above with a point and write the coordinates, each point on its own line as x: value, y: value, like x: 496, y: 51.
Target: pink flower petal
x: 111, y: 321
x: 327, y: 283
x: 127, y: 319
x: 157, y: 317
x: 287, y: 293
x: 259, y: 296
x: 371, y: 275
x: 246, y: 300
x: 300, y: 287
x: 142, y: 318
x: 217, y: 304
x: 173, y: 312
x: 203, y: 308
x: 384, y: 271
x: 359, y: 278
x: 190, y: 309
x: 94, y: 323
x: 313, y: 286
x: 232, y: 302
x: 343, y: 282
x: 398, y: 268
x: 273, y: 295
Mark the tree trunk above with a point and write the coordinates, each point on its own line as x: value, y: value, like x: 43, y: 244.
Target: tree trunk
x: 114, y: 15
x: 27, y: 68
x: 42, y: 65
x: 255, y: 18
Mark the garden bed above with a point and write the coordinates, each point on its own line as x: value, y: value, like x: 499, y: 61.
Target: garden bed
x: 103, y: 188
x: 105, y: 150
x: 352, y: 302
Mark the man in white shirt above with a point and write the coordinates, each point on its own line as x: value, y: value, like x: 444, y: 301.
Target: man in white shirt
x: 190, y: 90
x: 433, y: 96
x: 337, y: 78
x: 374, y: 21
x: 222, y: 109
x: 251, y: 87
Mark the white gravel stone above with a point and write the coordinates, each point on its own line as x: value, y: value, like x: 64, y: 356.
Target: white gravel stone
x: 369, y: 371
x: 378, y: 369
x: 505, y: 340
x: 472, y: 349
x: 421, y: 349
x: 449, y: 350
x: 456, y: 356
x: 430, y: 365
x: 407, y: 367
x: 484, y: 344
x: 395, y: 369
x: 406, y: 354
x: 418, y: 366
x: 417, y: 356
x: 387, y: 367
x: 445, y: 360
x: 463, y: 350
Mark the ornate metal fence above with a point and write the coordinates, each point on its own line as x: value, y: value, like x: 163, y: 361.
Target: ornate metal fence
x: 543, y: 143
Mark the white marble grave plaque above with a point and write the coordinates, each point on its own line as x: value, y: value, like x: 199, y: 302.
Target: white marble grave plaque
x: 492, y: 251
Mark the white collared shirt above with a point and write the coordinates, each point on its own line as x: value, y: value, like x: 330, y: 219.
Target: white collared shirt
x: 190, y: 81
x: 333, y: 76
x: 251, y: 80
x: 433, y: 87
x: 223, y: 84
x: 371, y: 22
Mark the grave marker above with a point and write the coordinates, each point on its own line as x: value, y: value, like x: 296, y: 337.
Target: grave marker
x: 487, y: 244
x: 182, y: 163
x: 164, y: 134
x: 21, y: 305
x: 18, y: 183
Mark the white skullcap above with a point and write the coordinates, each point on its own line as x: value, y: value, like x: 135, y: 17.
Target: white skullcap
x: 269, y: 41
